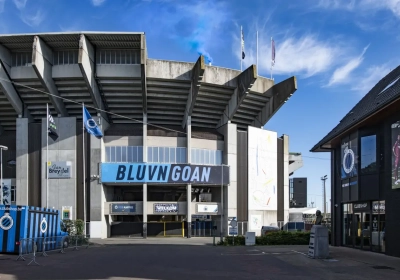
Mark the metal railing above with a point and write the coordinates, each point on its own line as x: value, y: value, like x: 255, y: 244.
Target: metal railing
x: 30, y: 248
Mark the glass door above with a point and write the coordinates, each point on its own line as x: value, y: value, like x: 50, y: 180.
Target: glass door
x: 362, y: 230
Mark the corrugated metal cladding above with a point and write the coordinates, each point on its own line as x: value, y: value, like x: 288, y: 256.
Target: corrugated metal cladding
x: 242, y: 176
x: 280, y: 178
x: 35, y: 164
x: 27, y: 222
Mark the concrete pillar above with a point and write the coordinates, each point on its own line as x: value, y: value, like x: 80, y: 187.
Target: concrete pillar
x: 229, y: 193
x: 22, y: 157
x: 61, y: 192
x: 144, y: 185
x: 189, y: 186
x: 286, y: 191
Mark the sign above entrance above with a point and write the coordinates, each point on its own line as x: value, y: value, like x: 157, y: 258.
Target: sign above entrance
x: 123, y: 208
x: 166, y: 208
x: 164, y: 173
x: 361, y: 206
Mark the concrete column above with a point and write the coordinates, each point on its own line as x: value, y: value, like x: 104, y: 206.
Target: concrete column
x: 229, y: 193
x: 144, y: 185
x: 99, y: 194
x: 61, y: 192
x: 22, y: 157
x: 189, y: 187
x: 286, y: 192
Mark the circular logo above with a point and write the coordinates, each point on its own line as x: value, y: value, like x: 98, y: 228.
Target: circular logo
x: 43, y: 225
x: 91, y: 123
x: 6, y: 222
x: 348, y: 160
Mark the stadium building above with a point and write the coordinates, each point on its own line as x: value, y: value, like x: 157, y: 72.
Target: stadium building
x: 183, y: 149
x: 365, y: 158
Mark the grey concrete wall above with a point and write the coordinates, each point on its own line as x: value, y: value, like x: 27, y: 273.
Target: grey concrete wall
x: 123, y: 141
x: 66, y: 71
x: 22, y: 161
x: 62, y: 192
x: 207, y: 144
x: 97, y: 191
x: 8, y: 139
x: 118, y: 71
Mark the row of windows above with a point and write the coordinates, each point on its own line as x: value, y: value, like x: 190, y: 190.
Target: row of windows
x: 71, y: 57
x: 162, y: 155
x: 65, y: 57
x: 21, y: 59
x: 118, y: 57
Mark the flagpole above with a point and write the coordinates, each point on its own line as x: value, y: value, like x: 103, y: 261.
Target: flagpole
x: 257, y: 54
x: 241, y: 48
x: 84, y: 173
x: 47, y: 155
x: 271, y: 58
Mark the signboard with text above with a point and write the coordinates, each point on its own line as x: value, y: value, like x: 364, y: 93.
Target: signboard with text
x: 59, y: 169
x: 122, y: 208
x: 164, y: 173
x: 166, y: 208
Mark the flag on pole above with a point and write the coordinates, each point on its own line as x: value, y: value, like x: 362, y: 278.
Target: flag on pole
x: 90, y: 124
x: 242, y: 40
x: 52, y: 128
x: 273, y: 52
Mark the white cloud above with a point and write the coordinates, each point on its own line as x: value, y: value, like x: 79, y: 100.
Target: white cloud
x: 370, y: 77
x: 20, y: 4
x: 33, y: 20
x: 342, y: 74
x: 365, y: 6
x: 2, y: 5
x: 306, y: 55
x: 97, y: 2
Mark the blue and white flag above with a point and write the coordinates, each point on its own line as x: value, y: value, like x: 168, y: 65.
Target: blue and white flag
x: 90, y: 124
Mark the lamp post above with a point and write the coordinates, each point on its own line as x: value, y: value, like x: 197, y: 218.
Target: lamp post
x: 1, y: 171
x: 324, y: 191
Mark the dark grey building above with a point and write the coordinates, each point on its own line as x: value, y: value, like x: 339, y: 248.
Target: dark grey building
x: 365, y: 160
x: 298, y: 192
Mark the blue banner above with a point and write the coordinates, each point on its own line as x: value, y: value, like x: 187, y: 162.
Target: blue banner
x: 164, y: 173
x: 123, y: 208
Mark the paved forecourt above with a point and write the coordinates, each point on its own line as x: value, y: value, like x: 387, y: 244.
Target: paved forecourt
x: 131, y: 259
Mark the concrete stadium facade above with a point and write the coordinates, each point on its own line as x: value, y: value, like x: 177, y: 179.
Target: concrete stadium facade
x: 192, y: 120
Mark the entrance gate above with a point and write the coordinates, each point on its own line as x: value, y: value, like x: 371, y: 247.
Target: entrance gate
x: 202, y: 228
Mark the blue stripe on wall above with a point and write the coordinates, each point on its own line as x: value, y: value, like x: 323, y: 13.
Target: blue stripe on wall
x: 11, y: 232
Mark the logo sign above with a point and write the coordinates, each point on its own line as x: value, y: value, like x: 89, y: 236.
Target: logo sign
x: 66, y: 212
x: 59, y: 169
x: 166, y: 208
x: 164, y: 173
x: 207, y: 208
x: 123, y: 207
x: 6, y: 222
x: 348, y: 160
x: 43, y: 225
x: 361, y: 206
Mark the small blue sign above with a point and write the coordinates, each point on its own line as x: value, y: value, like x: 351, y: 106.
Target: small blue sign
x: 123, y: 208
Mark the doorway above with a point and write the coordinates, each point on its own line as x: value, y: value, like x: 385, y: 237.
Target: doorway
x: 357, y: 225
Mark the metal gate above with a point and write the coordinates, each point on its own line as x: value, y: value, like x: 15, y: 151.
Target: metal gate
x: 202, y: 228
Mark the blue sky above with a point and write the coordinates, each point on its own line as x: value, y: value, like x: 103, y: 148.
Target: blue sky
x: 337, y: 49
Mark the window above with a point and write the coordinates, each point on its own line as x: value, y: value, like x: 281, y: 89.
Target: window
x: 206, y: 157
x: 124, y: 154
x: 368, y: 154
x: 21, y: 59
x: 118, y: 57
x: 65, y: 57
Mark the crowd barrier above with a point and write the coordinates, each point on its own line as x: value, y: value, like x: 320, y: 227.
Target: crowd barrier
x: 30, y: 248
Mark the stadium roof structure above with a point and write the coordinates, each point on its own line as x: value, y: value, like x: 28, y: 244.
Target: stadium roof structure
x: 92, y: 68
x: 382, y: 99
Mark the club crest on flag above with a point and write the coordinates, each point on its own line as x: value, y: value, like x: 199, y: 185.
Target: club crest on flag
x: 90, y: 125
x: 52, y: 128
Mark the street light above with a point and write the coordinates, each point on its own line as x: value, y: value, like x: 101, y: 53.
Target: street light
x: 324, y: 190
x: 5, y: 148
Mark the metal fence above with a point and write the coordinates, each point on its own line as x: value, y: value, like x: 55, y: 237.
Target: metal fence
x: 30, y: 248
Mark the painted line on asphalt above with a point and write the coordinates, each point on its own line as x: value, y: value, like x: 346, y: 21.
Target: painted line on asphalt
x: 304, y: 254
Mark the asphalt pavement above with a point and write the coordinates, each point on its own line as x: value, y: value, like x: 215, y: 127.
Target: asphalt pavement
x: 197, y: 259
